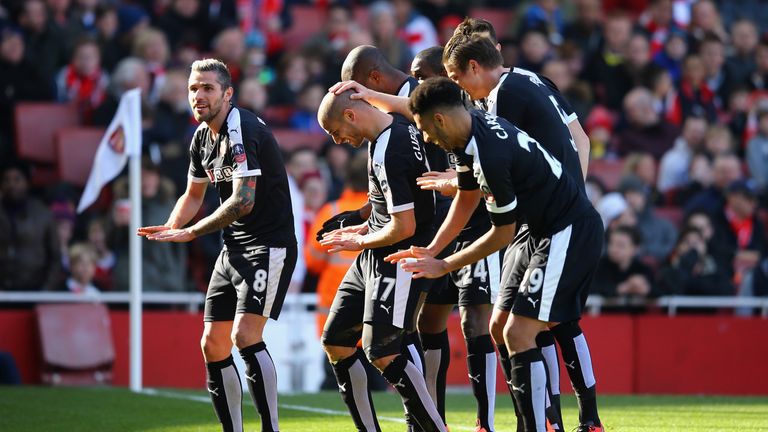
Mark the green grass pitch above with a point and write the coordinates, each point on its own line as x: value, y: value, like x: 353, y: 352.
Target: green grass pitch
x: 116, y: 409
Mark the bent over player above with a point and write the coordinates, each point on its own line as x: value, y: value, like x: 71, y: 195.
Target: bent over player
x: 519, y: 180
x: 235, y: 150
x: 377, y: 300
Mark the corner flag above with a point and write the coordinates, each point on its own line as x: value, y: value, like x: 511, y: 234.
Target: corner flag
x: 121, y: 140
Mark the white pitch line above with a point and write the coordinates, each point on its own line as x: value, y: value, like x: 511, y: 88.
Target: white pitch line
x: 205, y: 399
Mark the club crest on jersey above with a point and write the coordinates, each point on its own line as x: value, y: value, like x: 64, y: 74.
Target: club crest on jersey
x: 238, y: 151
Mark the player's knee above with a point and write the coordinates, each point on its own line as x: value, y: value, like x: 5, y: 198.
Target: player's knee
x: 242, y: 338
x: 215, y: 347
x: 474, y: 321
x: 382, y: 362
x: 496, y: 327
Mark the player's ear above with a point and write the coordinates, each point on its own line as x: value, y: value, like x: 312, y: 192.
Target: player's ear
x: 228, y: 94
x: 473, y: 66
x: 374, y: 76
x: 349, y: 115
x: 439, y: 119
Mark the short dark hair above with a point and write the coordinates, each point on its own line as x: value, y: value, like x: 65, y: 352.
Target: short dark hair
x: 460, y: 49
x: 634, y: 235
x: 433, y: 58
x: 471, y: 26
x: 214, y: 65
x: 433, y: 93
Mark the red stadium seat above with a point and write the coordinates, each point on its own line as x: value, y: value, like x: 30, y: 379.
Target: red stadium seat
x: 307, y: 20
x: 75, y: 150
x: 289, y: 139
x: 608, y: 171
x: 76, y: 342
x: 502, y: 19
x: 36, y: 126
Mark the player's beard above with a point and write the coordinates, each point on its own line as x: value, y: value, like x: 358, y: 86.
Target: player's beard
x: 213, y: 111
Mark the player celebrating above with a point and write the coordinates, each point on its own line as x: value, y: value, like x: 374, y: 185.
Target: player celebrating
x: 376, y: 299
x: 518, y: 179
x: 533, y: 103
x: 235, y: 150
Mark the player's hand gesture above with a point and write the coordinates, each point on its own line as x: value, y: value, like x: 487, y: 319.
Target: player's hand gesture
x: 338, y: 241
x: 172, y: 235
x: 427, y: 267
x: 339, y: 221
x: 361, y: 91
x: 442, y: 182
x: 411, y: 252
x: 145, y: 231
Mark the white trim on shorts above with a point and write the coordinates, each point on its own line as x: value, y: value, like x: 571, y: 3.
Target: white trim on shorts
x: 276, y: 264
x: 402, y: 290
x: 558, y: 250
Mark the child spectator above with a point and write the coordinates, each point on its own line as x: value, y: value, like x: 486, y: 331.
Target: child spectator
x: 82, y: 263
x: 305, y: 117
x: 83, y: 81
x: 98, y: 236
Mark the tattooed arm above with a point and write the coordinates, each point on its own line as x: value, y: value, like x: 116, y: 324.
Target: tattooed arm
x: 236, y: 206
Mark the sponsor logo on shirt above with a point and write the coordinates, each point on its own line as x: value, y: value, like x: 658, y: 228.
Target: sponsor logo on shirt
x: 220, y: 174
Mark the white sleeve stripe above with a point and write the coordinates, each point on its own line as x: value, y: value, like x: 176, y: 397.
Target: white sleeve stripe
x: 507, y: 208
x: 194, y: 179
x: 462, y: 168
x: 571, y: 118
x: 241, y: 174
x: 400, y: 208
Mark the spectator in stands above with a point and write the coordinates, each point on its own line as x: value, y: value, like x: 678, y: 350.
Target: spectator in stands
x: 638, y: 57
x: 129, y: 73
x: 535, y: 50
x: 20, y: 81
x: 599, y: 128
x: 673, y: 169
x: 615, y: 211
x: 46, y: 46
x: 29, y: 249
x: 252, y: 95
x: 694, y: 97
x: 700, y: 178
x: 97, y: 236
x: 305, y: 117
x: 643, y: 166
x: 331, y: 268
x: 658, y: 234
x: 757, y: 151
x: 739, y: 235
x: 417, y: 30
x: 151, y: 45
x: 300, y: 162
x: 163, y: 263
x: 544, y: 16
x: 705, y: 19
x: 620, y: 273
x: 383, y: 25
x: 658, y: 21
x: 738, y: 114
x: 605, y: 70
x: 106, y: 35
x: 315, y: 192
x: 671, y: 57
x: 585, y: 29
x: 719, y: 140
x: 292, y: 76
x: 186, y: 23
x: 759, y: 78
x: 702, y: 222
x: 336, y: 159
x: 726, y: 169
x: 716, y: 75
x: 229, y: 47
x: 82, y: 265
x: 83, y: 82
x: 64, y: 217
x: 171, y: 129
x: 659, y: 81
x: 691, y: 269
x: 595, y: 189
x: 577, y: 92
x: 646, y: 131
x: 741, y: 62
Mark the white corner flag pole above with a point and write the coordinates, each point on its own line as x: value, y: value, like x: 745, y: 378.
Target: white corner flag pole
x: 134, y: 168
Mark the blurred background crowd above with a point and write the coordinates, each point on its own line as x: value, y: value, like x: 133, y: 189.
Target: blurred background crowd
x: 673, y: 95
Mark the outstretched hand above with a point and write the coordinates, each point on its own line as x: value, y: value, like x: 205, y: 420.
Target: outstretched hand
x: 145, y: 231
x: 182, y: 235
x: 427, y: 267
x: 341, y: 240
x: 411, y: 252
x: 440, y: 181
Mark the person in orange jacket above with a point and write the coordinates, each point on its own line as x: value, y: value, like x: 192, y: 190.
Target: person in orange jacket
x: 331, y: 268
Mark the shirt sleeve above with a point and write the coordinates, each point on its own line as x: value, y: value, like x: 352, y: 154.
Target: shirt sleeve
x: 496, y: 185
x: 244, y: 146
x: 396, y: 175
x: 196, y: 171
x: 466, y: 180
x: 564, y: 107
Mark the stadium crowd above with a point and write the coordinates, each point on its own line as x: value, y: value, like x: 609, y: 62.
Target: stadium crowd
x: 673, y: 95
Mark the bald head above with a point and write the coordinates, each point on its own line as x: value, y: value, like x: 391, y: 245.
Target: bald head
x: 367, y: 65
